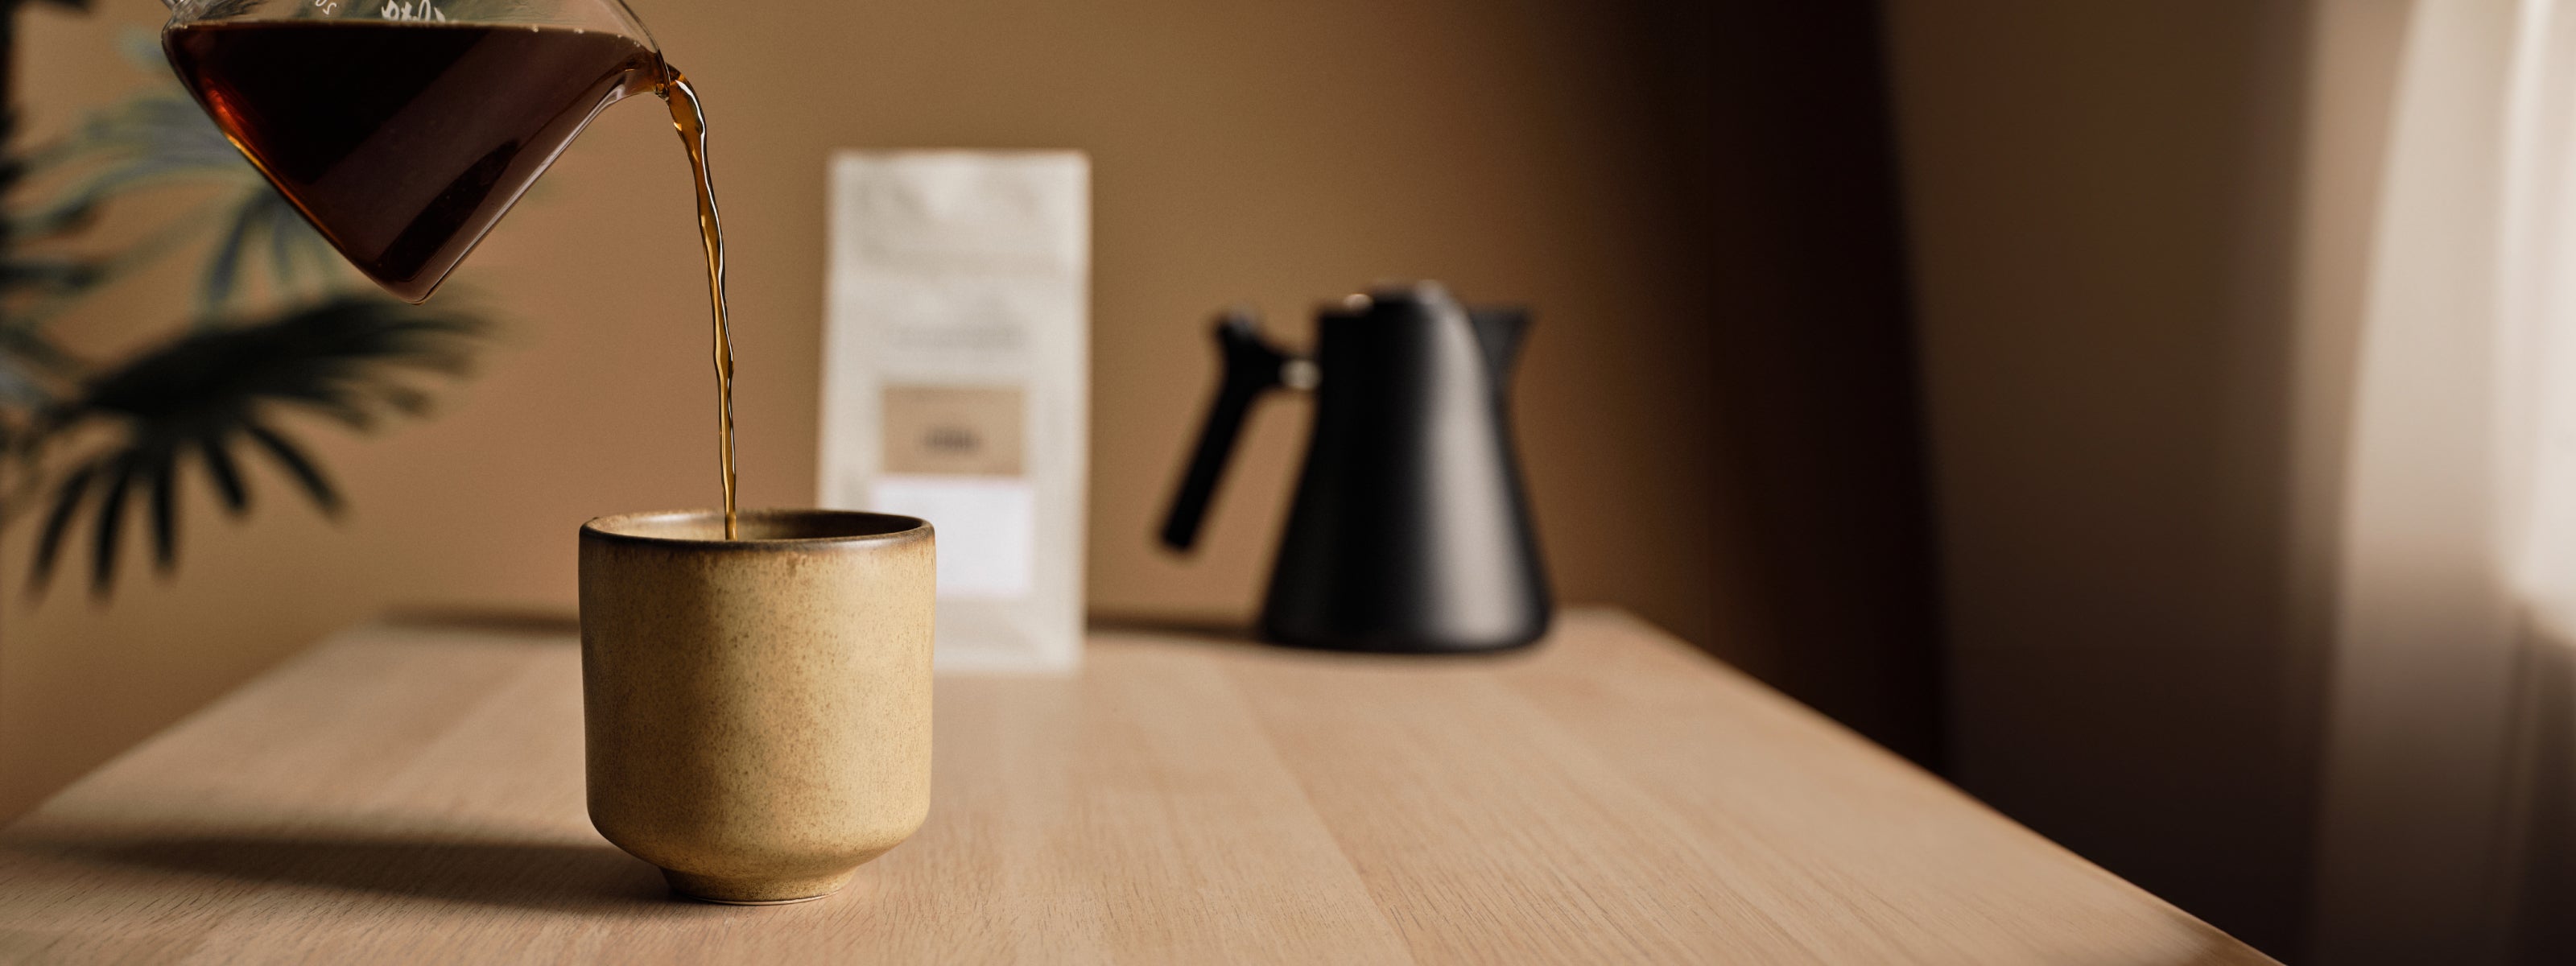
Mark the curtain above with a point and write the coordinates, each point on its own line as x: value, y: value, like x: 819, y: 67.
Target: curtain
x: 2447, y: 783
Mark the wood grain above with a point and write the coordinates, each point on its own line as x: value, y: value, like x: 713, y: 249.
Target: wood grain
x: 410, y: 795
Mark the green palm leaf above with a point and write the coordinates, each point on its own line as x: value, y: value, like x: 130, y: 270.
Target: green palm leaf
x: 162, y: 137
x: 306, y: 472
x: 121, y: 473
x: 211, y: 390
x: 228, y: 482
x: 207, y: 395
x: 67, y: 500
x: 164, y: 475
x: 154, y: 138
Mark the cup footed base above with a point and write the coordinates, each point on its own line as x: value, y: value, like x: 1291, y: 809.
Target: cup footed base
x: 755, y: 892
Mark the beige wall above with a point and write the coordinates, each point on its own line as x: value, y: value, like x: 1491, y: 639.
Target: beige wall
x: 1280, y: 153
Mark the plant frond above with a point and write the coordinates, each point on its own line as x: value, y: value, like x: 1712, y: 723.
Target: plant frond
x: 209, y: 391
x: 161, y: 129
x: 292, y: 242
x: 160, y: 137
x: 404, y: 399
x: 223, y: 267
x: 228, y: 482
x: 27, y: 356
x: 125, y: 161
x: 321, y: 355
x: 292, y: 458
x: 292, y: 246
x: 162, y: 473
x: 141, y: 48
x: 49, y: 543
x: 21, y: 273
x: 110, y: 522
x: 42, y: 309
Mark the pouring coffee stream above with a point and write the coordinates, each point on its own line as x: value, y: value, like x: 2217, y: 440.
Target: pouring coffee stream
x: 403, y: 136
x: 691, y: 119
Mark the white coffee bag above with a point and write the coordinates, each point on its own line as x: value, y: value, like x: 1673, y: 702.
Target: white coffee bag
x: 956, y: 362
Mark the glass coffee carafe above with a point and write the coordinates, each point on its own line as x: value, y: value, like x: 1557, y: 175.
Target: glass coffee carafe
x: 403, y: 129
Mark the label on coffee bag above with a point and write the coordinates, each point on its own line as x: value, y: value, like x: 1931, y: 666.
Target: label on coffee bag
x: 956, y: 431
x: 955, y: 382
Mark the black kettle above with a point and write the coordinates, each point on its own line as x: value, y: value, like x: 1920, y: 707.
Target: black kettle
x: 1410, y: 531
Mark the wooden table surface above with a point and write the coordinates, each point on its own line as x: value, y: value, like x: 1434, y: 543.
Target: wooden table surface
x: 415, y: 795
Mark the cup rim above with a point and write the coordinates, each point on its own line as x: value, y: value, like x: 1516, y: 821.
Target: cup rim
x: 884, y: 528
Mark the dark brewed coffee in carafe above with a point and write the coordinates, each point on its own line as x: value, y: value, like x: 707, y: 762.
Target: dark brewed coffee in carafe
x: 403, y: 142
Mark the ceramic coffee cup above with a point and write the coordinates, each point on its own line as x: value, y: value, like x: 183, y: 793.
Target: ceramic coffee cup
x: 758, y: 710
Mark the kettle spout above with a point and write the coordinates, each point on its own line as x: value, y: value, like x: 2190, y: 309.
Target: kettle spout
x: 1499, y: 330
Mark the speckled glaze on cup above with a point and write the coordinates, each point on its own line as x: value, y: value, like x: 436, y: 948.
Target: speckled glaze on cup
x: 758, y: 710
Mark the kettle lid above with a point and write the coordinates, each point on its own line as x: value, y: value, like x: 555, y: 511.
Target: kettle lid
x: 1498, y: 330
x: 1399, y: 293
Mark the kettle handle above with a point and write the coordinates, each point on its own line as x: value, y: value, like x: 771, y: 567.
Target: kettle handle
x: 1252, y: 367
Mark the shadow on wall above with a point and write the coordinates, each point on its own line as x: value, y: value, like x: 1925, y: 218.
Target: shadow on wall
x: 2103, y: 204
x: 1816, y: 415
x: 2542, y: 836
